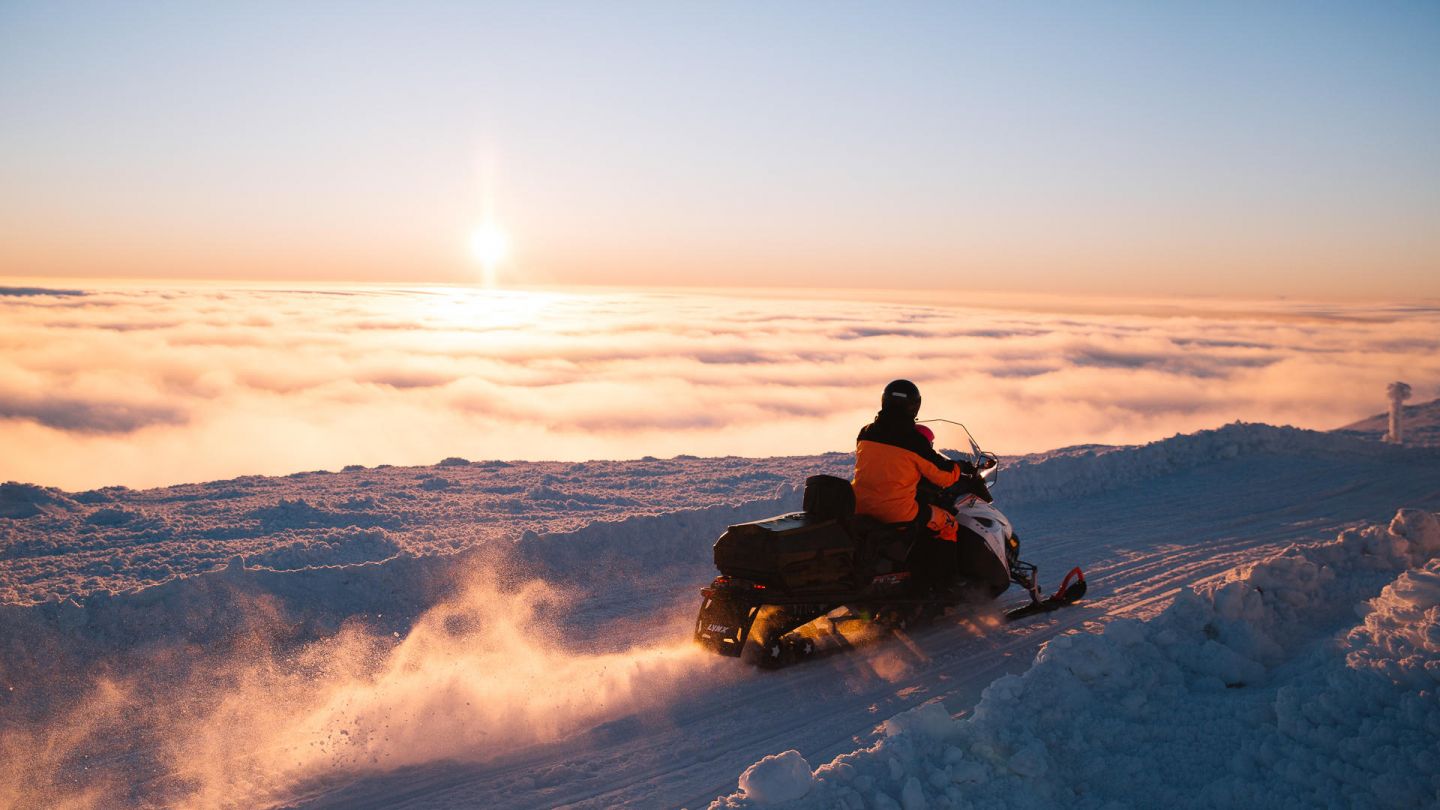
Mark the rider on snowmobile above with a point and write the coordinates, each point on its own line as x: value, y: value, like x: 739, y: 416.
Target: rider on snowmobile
x: 891, y: 459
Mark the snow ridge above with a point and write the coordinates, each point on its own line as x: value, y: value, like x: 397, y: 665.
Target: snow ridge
x: 56, y: 545
x: 1238, y: 694
x: 1101, y: 469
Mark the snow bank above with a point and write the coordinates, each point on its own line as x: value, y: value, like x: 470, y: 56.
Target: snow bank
x: 56, y: 546
x: 1238, y: 695
x: 1087, y: 471
x: 290, y: 602
x: 348, y: 667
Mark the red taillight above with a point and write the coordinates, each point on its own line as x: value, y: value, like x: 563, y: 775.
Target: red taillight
x: 726, y: 583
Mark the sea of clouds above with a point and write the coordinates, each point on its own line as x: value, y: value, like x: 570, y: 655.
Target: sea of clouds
x: 148, y: 384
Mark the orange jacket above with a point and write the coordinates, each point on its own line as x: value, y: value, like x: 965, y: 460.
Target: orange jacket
x: 890, y: 459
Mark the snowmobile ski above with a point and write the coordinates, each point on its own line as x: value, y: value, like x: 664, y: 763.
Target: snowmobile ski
x: 1070, y: 591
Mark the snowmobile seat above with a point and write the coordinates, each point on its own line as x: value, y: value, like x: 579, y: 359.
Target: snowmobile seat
x: 829, y: 498
x: 885, y: 545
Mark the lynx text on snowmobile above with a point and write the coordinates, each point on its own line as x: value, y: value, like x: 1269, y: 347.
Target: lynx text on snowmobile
x: 803, y: 584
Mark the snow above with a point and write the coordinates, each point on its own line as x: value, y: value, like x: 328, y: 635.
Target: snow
x: 1238, y: 694
x: 775, y: 779
x: 1422, y: 425
x: 62, y: 545
x: 1263, y: 628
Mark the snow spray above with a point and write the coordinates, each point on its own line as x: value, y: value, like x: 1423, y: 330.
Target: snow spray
x: 478, y: 676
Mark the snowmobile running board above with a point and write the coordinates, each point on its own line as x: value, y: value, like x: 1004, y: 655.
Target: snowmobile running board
x: 731, y: 608
x: 793, y: 648
x: 1069, y: 592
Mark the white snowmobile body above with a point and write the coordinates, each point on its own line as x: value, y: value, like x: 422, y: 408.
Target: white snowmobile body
x: 988, y: 522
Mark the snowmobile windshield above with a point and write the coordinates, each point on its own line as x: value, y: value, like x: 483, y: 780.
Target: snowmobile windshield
x: 987, y: 463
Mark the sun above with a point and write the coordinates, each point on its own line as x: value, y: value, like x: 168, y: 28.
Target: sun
x: 489, y: 246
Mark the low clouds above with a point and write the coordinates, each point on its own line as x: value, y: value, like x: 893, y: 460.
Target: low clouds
x: 1188, y: 364
x: 147, y: 386
x: 83, y: 416
x: 18, y: 292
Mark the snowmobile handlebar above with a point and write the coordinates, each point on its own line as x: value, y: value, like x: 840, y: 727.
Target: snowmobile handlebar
x: 989, y: 463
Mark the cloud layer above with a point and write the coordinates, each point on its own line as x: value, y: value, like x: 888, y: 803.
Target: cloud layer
x: 143, y: 385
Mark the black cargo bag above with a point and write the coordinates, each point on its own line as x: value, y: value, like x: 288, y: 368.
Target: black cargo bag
x: 792, y: 551
x: 829, y: 497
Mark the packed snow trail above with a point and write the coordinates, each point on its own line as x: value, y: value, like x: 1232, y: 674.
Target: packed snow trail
x: 1142, y: 543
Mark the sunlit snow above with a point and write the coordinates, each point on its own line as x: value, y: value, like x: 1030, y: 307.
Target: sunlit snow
x: 478, y: 633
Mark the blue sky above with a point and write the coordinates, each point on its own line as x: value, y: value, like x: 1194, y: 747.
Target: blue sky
x: 1219, y: 148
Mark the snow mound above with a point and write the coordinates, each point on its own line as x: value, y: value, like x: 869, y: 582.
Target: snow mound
x: 29, y: 500
x: 1239, y: 694
x: 346, y: 546
x: 778, y: 778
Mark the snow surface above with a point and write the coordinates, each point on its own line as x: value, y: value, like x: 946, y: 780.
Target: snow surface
x: 519, y: 637
x: 62, y: 545
x: 1422, y: 425
x: 1239, y: 694
x: 777, y: 779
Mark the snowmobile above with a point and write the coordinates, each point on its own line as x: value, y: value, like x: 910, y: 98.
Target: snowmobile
x: 808, y: 583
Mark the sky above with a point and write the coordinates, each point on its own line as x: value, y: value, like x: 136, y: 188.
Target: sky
x: 1217, y: 149
x: 124, y: 384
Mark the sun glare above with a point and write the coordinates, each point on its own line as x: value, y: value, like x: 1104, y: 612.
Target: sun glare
x: 490, y: 247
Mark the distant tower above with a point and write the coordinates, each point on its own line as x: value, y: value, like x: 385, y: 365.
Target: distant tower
x: 1399, y: 392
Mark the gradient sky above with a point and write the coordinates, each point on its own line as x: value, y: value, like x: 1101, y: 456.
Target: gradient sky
x: 1176, y: 148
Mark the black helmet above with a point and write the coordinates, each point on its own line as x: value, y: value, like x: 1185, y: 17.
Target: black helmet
x: 901, y: 395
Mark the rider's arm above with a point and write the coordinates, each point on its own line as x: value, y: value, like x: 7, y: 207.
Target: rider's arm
x: 940, y: 471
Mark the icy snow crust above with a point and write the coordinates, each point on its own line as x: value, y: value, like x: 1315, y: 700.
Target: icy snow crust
x: 60, y: 545
x: 1237, y: 695
x: 516, y: 635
